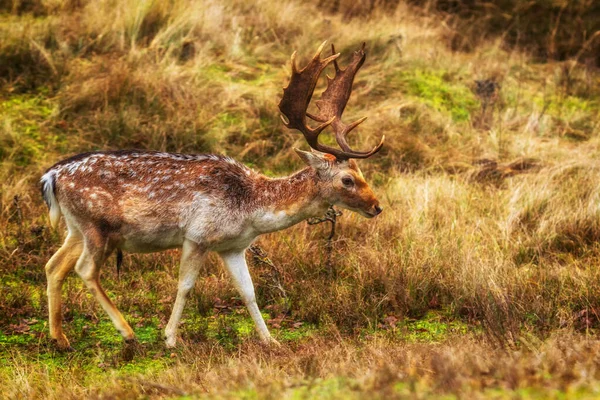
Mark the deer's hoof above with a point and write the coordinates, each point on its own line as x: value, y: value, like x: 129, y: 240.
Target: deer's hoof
x: 62, y: 343
x: 131, y: 348
x: 170, y: 342
x: 272, y: 343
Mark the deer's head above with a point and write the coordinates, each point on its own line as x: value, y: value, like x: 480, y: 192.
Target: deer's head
x: 341, y: 183
x: 340, y: 180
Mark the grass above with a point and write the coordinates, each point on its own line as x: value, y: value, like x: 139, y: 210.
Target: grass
x: 439, y: 91
x: 479, y: 280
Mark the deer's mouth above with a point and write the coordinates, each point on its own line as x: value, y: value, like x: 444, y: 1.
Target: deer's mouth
x: 372, y: 213
x: 366, y: 214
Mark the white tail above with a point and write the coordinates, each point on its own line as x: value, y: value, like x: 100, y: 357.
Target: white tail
x: 48, y: 182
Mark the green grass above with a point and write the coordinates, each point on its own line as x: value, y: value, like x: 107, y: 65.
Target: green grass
x: 440, y: 90
x: 432, y: 328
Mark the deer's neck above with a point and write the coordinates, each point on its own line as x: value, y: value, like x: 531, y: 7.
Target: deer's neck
x: 284, y: 202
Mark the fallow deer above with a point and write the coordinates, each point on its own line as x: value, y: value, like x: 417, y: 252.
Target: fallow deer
x: 146, y: 201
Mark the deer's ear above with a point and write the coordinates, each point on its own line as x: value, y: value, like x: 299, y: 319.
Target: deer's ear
x: 319, y: 161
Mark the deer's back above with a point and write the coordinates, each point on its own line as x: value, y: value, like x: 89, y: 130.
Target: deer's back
x: 149, y: 201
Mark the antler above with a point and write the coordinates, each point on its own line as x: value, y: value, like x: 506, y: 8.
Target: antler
x: 297, y: 95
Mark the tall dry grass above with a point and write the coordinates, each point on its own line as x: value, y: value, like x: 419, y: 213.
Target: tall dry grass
x: 339, y: 368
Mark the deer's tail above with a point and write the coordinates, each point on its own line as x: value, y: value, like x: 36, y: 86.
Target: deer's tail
x: 48, y: 187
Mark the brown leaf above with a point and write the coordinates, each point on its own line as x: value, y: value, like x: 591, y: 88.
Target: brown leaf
x: 20, y: 328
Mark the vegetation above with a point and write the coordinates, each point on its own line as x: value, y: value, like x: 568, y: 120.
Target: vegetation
x: 480, y: 279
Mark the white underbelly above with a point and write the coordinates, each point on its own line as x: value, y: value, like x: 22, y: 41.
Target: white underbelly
x: 149, y: 242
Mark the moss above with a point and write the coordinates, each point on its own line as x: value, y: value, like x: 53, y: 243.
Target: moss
x: 566, y: 107
x: 295, y: 334
x: 331, y: 388
x: 86, y: 332
x: 245, y: 394
x: 227, y: 329
x: 433, y: 327
x: 231, y: 329
x: 142, y: 365
x: 15, y: 339
x: 438, y: 90
x: 149, y: 333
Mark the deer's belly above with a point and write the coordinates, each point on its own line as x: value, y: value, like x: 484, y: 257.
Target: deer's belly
x: 150, y: 240
x: 223, y: 238
x: 240, y: 242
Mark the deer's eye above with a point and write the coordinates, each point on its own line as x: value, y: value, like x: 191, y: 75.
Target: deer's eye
x: 347, y: 181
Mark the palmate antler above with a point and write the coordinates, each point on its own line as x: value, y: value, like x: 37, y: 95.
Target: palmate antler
x: 297, y: 95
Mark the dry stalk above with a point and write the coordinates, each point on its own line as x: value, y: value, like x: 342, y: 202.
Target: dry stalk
x: 19, y: 214
x: 259, y: 256
x: 330, y: 216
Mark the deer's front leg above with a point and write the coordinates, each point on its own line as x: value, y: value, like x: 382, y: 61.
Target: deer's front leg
x: 191, y: 258
x: 235, y: 262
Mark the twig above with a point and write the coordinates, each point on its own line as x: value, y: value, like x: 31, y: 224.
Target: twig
x: 259, y: 256
x: 17, y: 205
x: 330, y: 216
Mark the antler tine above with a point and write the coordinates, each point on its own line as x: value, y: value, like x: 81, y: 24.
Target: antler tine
x: 335, y: 64
x: 293, y: 61
x: 345, y: 129
x: 320, y: 50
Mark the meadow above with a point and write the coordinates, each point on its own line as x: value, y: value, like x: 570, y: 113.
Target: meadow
x: 480, y: 279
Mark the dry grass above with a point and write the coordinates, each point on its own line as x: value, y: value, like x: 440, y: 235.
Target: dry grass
x: 490, y: 190
x: 339, y: 368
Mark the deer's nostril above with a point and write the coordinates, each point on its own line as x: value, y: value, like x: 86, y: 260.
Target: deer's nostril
x: 378, y: 210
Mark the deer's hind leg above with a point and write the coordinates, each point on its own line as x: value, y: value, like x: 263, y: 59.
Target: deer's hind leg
x: 57, y: 268
x: 95, y: 252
